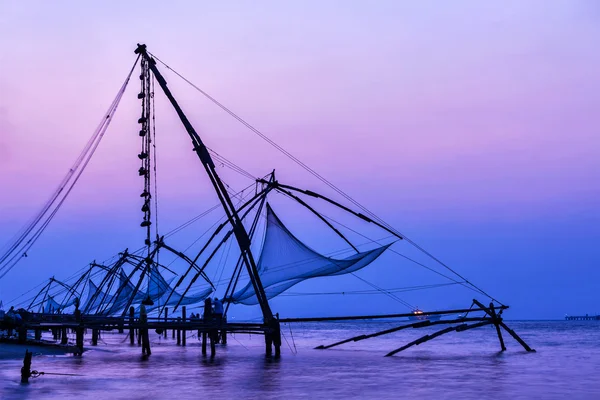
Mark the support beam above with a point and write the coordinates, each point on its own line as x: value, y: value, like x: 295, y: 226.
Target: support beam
x: 131, y: 322
x: 240, y: 232
x: 516, y: 337
x: 426, y: 338
x: 381, y: 316
x: 496, y: 318
x: 419, y: 324
x: 184, y: 332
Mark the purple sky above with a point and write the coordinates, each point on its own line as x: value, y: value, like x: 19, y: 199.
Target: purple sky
x: 470, y: 126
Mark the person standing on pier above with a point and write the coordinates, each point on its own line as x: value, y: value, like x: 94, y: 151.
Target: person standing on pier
x: 144, y: 322
x: 218, y: 310
x: 207, y: 318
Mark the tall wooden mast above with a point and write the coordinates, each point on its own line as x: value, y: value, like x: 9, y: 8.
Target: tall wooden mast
x: 238, y: 228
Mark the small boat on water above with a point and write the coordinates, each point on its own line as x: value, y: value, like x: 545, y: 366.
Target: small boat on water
x: 418, y: 315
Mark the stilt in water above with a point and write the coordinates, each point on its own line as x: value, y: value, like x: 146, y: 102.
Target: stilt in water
x: 79, y: 332
x: 63, y: 336
x: 268, y: 344
x: 79, y: 340
x: 26, y: 369
x: 38, y: 334
x: 178, y: 331
x: 183, y: 333
x: 94, y: 337
x: 497, y: 319
x: 166, y: 319
x: 213, y: 340
x: 277, y: 337
x: 131, y: 330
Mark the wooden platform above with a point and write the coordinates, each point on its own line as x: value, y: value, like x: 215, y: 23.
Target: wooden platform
x: 582, y: 317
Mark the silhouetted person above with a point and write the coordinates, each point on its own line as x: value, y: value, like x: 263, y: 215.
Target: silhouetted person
x: 207, y: 318
x: 144, y: 330
x: 207, y: 315
x: 218, y: 310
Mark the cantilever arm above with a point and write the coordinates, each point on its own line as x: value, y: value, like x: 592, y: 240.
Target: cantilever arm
x: 335, y: 203
x: 189, y: 260
x: 426, y: 338
x: 302, y: 202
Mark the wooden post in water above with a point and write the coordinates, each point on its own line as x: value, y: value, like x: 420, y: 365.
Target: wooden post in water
x: 26, y: 369
x: 213, y: 340
x: 277, y: 336
x: 63, y: 336
x: 178, y: 331
x: 79, y: 332
x: 131, y: 330
x: 79, y: 340
x: 166, y: 319
x: 38, y: 334
x: 223, y: 331
x: 268, y: 343
x: 204, y: 343
x: 183, y: 333
x: 497, y: 320
x: 94, y: 337
x: 173, y: 334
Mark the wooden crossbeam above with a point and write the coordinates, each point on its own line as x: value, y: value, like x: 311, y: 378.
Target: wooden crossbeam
x: 426, y: 338
x: 419, y: 324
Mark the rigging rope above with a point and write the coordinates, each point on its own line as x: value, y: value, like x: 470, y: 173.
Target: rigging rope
x: 25, y: 241
x: 319, y: 176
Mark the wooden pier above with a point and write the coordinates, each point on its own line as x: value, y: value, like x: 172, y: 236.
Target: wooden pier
x: 82, y: 324
x: 585, y: 317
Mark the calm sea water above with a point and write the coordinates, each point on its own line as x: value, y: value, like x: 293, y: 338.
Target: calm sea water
x: 464, y: 365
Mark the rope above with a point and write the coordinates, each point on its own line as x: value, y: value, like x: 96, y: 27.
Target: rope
x: 292, y: 335
x: 18, y: 250
x: 320, y: 177
x: 288, y: 343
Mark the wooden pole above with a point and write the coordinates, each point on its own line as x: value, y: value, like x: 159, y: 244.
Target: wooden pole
x: 213, y: 340
x: 79, y: 332
x: 426, y: 338
x: 131, y: 330
x: 497, y: 320
x: 166, y: 318
x: 276, y: 335
x: 63, y: 336
x: 183, y: 333
x: 94, y: 337
x: 26, y: 369
x: 419, y: 324
x: 516, y: 337
x: 268, y: 343
x: 178, y: 331
x: 79, y: 340
x: 204, y: 334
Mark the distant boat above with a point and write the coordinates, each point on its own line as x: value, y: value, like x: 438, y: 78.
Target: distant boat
x: 419, y: 316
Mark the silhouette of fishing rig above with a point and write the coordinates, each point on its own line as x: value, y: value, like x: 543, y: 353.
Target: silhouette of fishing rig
x: 109, y: 295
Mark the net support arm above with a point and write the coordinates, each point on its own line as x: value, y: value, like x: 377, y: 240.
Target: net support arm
x: 303, y: 203
x: 335, y: 203
x: 187, y: 259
